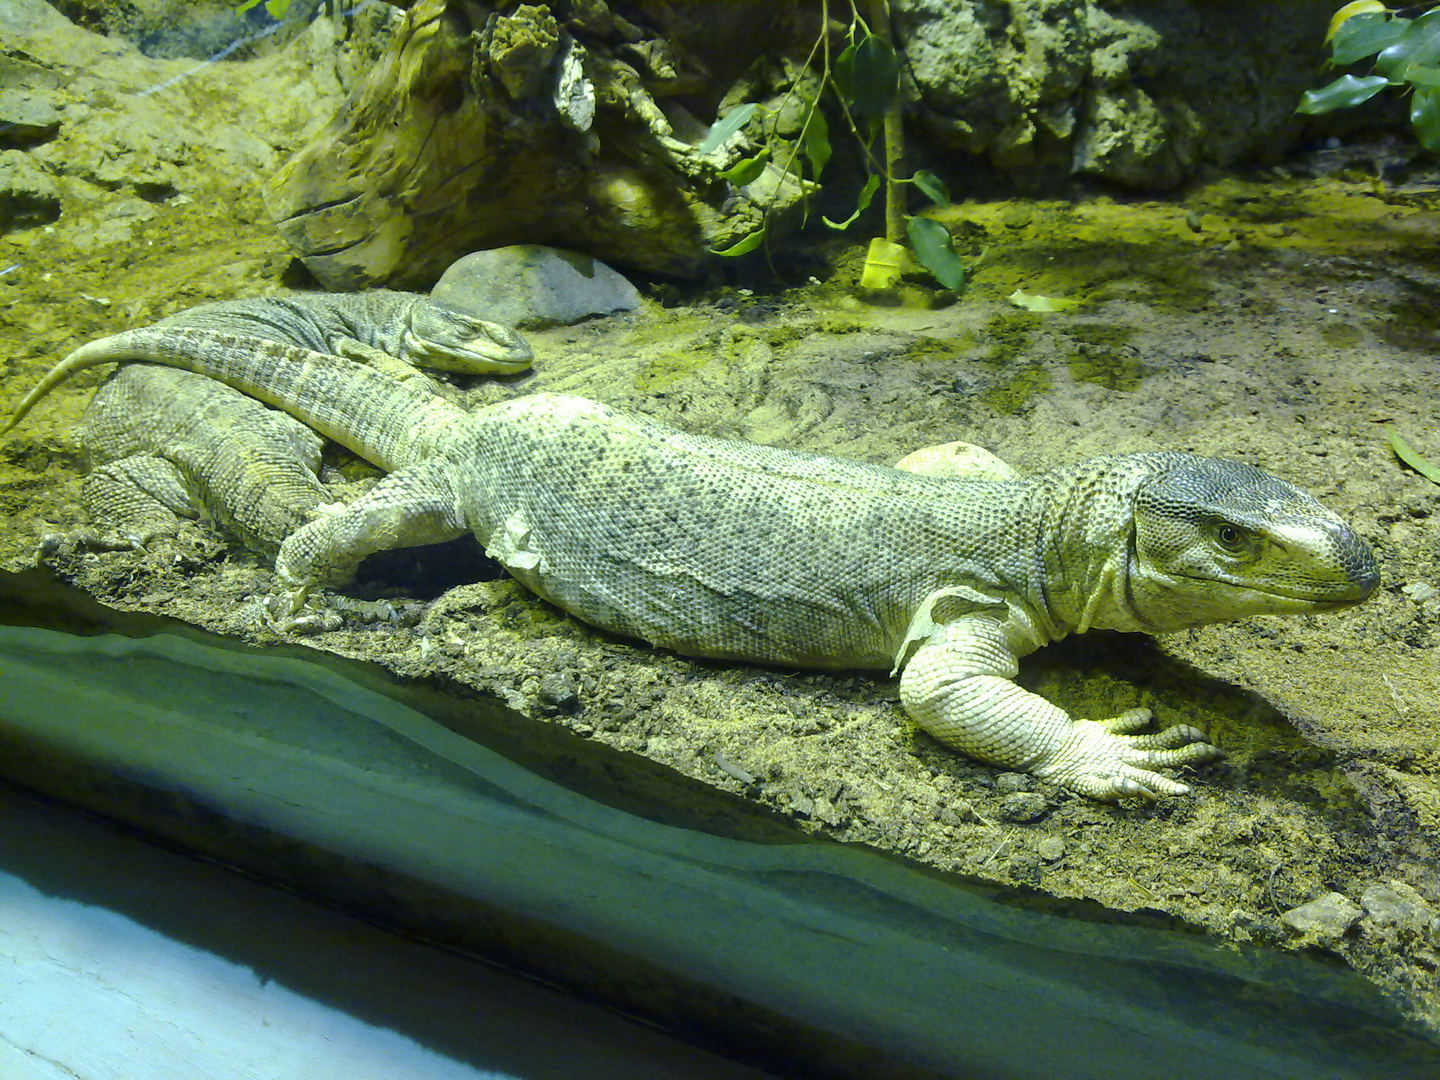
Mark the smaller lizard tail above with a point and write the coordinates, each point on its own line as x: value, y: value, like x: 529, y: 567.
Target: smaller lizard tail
x: 54, y: 377
x: 384, y: 420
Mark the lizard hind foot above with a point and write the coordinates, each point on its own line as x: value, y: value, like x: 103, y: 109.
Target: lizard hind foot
x: 293, y: 610
x: 88, y: 538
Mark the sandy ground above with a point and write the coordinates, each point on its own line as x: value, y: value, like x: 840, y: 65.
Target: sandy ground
x: 1284, y: 321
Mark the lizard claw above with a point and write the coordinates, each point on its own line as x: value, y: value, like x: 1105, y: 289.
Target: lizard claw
x: 290, y: 612
x: 88, y: 539
x: 1105, y: 760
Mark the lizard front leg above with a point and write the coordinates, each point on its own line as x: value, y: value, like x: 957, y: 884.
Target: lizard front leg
x: 958, y: 687
x: 411, y: 507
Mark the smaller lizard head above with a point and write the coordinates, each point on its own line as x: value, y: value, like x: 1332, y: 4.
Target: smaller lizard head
x: 1218, y: 540
x: 448, y: 340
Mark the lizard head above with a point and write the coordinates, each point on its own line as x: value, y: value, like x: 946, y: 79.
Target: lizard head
x: 448, y: 340
x: 1217, y: 540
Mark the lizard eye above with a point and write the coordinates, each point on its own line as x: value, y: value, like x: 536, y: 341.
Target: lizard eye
x: 1235, y: 540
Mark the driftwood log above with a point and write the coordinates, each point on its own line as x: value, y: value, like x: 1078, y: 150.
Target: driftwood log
x: 563, y: 124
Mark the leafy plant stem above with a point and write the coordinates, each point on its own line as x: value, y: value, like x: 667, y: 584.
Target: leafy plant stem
x: 894, y: 135
x: 822, y: 42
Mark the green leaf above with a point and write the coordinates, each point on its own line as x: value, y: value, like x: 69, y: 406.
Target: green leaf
x: 1422, y: 78
x: 1410, y: 456
x: 1032, y: 302
x: 935, y: 250
x: 866, y: 194
x: 1425, y: 118
x: 734, y: 120
x: 875, y: 77
x: 842, y: 72
x: 1349, y: 11
x: 884, y: 263
x: 817, y: 142
x: 240, y: 9
x: 1342, y: 93
x: 744, y: 247
x: 747, y: 170
x: 867, y: 76
x: 1420, y: 44
x: 932, y: 186
x: 1364, y: 35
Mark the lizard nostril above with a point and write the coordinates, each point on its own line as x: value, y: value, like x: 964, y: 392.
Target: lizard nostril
x: 1358, y: 561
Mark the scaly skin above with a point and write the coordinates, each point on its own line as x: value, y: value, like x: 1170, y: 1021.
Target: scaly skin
x: 165, y: 444
x: 731, y: 550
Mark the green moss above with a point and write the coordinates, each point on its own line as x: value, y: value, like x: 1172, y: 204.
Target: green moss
x: 832, y: 322
x: 1102, y: 356
x: 1009, y: 334
x: 1017, y: 393
x: 924, y: 346
x: 667, y: 368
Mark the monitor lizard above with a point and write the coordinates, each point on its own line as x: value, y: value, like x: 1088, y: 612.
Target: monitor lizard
x: 164, y: 444
x: 733, y: 550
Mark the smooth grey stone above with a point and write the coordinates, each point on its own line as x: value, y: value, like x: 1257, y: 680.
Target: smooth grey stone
x: 532, y: 287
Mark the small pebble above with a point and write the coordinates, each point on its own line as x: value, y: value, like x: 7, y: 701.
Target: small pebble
x: 1396, y: 904
x: 1051, y: 849
x: 1326, y: 918
x: 1420, y: 591
x: 731, y: 769
x: 1022, y: 806
x: 557, y: 690
x: 1008, y: 782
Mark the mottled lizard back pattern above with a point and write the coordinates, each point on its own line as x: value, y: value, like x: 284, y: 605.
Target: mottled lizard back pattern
x: 727, y: 549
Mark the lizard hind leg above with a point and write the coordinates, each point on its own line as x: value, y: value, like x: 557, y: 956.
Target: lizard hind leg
x: 138, y: 499
x: 413, y: 506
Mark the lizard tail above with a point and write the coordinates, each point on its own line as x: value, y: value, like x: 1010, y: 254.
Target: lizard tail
x: 91, y: 355
x: 382, y: 419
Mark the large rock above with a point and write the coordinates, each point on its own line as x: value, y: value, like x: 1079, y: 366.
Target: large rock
x: 1137, y: 94
x: 533, y: 287
x: 28, y: 196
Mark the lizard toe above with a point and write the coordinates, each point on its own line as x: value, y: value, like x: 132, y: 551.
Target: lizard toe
x: 1127, y: 782
x: 1097, y: 761
x: 1128, y: 721
x: 1179, y: 735
x: 1181, y: 745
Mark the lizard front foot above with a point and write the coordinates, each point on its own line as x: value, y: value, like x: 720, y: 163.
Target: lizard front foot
x: 1104, y: 759
x: 292, y: 612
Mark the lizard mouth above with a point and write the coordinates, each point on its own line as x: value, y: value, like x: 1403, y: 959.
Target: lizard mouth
x: 475, y: 355
x: 1318, y: 596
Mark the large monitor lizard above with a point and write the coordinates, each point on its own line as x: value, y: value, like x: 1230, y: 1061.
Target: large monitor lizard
x: 732, y: 550
x: 163, y: 443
